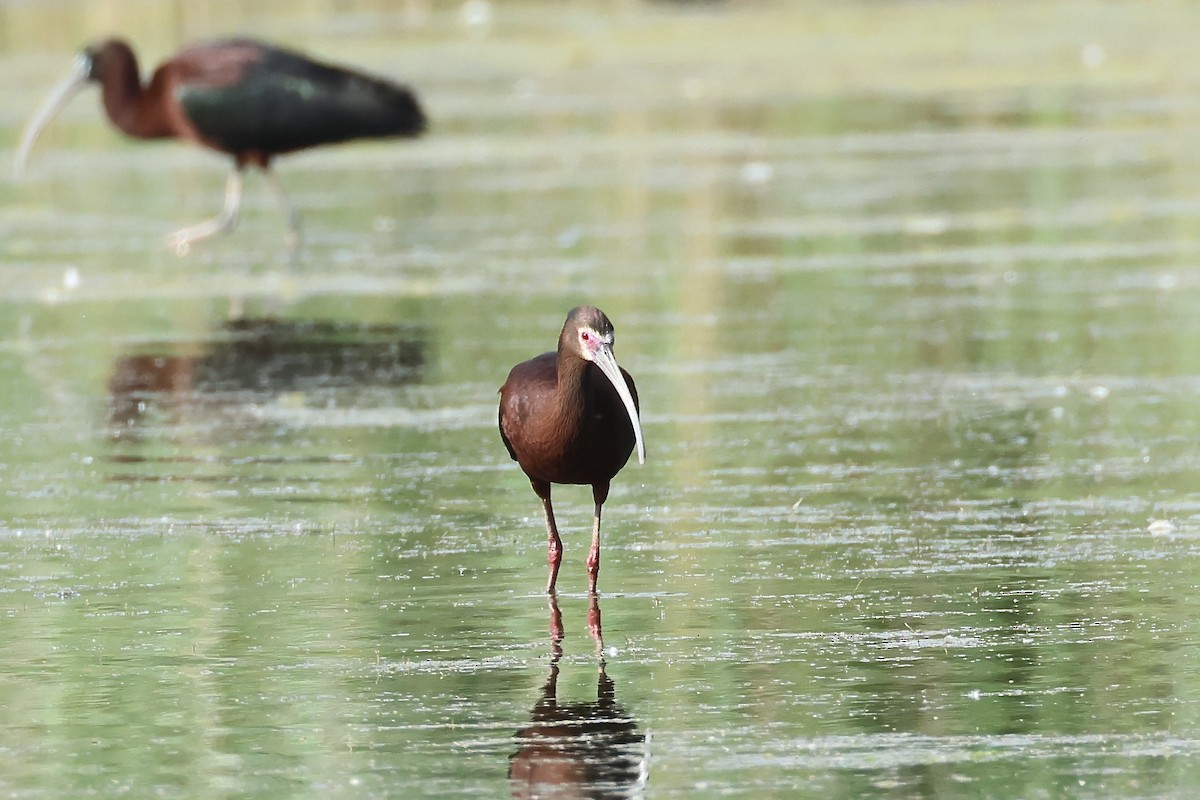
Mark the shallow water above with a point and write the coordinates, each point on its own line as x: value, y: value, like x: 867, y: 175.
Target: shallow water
x: 913, y: 328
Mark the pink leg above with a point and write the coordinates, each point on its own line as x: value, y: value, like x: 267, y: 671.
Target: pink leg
x: 554, y: 543
x: 593, y: 559
x: 599, y: 494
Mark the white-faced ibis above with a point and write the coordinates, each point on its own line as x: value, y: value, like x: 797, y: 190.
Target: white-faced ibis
x: 571, y: 416
x: 250, y: 100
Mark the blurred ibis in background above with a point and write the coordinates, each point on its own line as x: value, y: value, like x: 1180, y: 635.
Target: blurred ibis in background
x: 571, y: 416
x: 250, y: 100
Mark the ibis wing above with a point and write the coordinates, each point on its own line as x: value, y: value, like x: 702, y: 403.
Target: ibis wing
x: 522, y: 396
x: 504, y: 436
x: 276, y: 101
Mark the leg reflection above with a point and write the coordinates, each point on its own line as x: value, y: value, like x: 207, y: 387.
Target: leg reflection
x: 583, y: 749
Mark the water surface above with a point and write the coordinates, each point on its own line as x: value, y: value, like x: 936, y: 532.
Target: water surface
x: 912, y: 322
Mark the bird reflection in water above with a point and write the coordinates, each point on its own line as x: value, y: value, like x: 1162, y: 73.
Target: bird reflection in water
x: 251, y: 360
x: 579, y: 750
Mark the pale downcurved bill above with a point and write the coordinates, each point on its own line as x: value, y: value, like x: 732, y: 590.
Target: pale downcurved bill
x: 607, y: 362
x: 54, y: 103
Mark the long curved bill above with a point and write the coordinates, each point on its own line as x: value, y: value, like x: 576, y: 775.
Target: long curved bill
x: 54, y: 103
x: 607, y: 362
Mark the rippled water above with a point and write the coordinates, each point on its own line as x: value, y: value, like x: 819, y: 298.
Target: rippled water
x: 912, y: 323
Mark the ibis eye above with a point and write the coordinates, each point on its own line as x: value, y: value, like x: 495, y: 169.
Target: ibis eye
x: 587, y: 337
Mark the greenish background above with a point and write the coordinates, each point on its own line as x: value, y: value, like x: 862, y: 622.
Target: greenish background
x: 909, y: 290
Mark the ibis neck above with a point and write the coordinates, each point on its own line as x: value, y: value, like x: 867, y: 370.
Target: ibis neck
x: 130, y: 107
x: 572, y: 396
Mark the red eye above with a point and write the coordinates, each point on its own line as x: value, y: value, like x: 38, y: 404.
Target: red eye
x: 587, y: 337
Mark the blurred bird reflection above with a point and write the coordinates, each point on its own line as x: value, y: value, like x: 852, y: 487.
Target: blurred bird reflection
x: 579, y: 750
x: 249, y: 360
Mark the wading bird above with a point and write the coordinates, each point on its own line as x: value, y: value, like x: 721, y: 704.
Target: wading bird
x: 250, y: 100
x: 571, y: 416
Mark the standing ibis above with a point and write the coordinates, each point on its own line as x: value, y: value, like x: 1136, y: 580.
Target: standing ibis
x: 572, y: 417
x: 250, y: 100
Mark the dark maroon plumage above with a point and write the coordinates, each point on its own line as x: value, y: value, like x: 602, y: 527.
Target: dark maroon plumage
x: 565, y: 419
x: 248, y: 99
x: 272, y: 101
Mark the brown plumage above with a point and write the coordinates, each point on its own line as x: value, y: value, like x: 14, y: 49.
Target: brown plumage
x: 250, y: 100
x: 572, y: 416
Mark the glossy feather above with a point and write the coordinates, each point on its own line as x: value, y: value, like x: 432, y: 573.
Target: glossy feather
x: 572, y: 416
x: 248, y: 99
x: 243, y: 96
x: 584, y: 445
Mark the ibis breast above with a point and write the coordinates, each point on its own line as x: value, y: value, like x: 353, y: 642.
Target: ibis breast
x: 584, y: 442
